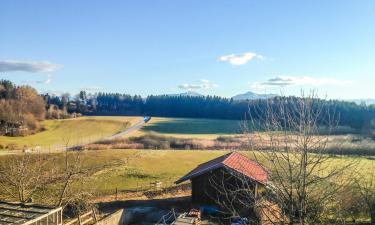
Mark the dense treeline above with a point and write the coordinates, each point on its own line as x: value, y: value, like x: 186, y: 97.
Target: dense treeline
x: 347, y: 113
x: 22, y: 107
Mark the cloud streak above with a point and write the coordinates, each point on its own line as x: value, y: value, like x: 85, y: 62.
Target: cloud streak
x: 240, y: 59
x: 92, y: 88
x: 28, y: 66
x: 285, y: 81
x: 203, y: 84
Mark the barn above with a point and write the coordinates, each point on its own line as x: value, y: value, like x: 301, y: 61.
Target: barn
x: 226, y: 178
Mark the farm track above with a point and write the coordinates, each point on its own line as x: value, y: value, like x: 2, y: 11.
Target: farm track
x: 131, y: 129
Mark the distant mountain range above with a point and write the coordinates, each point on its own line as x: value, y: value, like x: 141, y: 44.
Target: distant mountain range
x: 245, y: 96
x: 251, y: 95
x: 189, y: 93
x: 367, y: 101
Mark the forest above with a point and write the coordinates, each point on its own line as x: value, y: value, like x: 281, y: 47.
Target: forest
x: 22, y: 107
x: 346, y: 113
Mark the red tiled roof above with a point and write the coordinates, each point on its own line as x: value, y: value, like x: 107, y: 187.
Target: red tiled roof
x: 234, y: 161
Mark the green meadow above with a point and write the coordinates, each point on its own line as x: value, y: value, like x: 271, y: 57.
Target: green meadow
x: 193, y: 128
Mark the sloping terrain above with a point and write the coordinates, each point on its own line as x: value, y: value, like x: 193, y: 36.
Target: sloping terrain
x: 70, y: 132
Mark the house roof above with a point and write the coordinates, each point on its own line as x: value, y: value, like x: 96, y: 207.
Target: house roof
x: 17, y: 213
x: 234, y: 161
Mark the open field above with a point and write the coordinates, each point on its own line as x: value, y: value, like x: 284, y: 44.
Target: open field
x: 74, y: 131
x: 127, y: 172
x: 144, y: 166
x: 129, y: 169
x: 191, y: 128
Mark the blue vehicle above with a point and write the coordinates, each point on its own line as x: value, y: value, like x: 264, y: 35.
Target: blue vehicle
x: 146, y: 118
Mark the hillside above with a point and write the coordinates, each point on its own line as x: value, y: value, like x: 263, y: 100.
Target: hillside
x: 58, y: 133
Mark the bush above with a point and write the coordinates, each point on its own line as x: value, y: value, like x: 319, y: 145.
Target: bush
x: 226, y: 139
x: 156, y: 141
x: 339, y: 130
x: 351, y: 145
x: 13, y: 147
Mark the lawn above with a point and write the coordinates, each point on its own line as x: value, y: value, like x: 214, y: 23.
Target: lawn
x: 193, y: 128
x: 74, y: 131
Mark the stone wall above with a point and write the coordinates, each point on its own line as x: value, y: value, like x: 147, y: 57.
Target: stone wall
x: 116, y: 218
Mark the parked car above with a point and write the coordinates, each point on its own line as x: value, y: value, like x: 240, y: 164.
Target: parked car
x: 146, y: 118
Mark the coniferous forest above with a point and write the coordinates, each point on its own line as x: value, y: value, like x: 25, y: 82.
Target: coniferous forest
x: 347, y: 113
x: 215, y: 107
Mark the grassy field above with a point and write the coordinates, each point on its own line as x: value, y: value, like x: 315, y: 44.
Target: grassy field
x: 132, y: 168
x: 192, y: 128
x: 77, y: 131
x: 125, y: 171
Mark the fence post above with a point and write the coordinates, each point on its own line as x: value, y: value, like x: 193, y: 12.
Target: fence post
x: 116, y: 194
x: 94, y: 213
x: 174, y: 214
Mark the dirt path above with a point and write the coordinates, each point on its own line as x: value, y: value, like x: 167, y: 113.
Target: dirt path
x: 127, y: 131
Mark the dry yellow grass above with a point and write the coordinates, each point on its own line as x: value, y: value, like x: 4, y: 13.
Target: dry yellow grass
x: 140, y: 167
x: 77, y: 130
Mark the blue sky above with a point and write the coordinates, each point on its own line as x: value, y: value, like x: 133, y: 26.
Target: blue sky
x: 216, y: 47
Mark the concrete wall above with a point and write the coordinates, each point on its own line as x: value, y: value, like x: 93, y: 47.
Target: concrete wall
x: 116, y: 218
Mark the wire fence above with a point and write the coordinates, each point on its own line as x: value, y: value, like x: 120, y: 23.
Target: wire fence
x: 167, y: 218
x: 153, y: 188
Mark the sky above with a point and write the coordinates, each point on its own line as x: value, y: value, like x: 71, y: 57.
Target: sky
x: 215, y: 47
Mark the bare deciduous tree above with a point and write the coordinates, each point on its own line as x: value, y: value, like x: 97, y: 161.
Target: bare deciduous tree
x: 43, y: 176
x: 284, y: 136
x: 23, y: 176
x: 72, y: 172
x: 302, y: 177
x: 366, y: 188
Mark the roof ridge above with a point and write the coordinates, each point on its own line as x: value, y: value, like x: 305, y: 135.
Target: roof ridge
x: 230, y: 155
x: 225, y: 157
x: 247, y: 158
x: 232, y: 160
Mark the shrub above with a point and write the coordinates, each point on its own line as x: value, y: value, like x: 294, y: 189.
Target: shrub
x: 226, y: 139
x: 13, y: 147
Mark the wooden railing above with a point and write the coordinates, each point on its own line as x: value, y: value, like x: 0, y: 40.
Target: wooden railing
x: 89, y: 217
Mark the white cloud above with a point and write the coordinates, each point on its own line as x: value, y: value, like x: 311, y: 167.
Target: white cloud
x: 284, y: 81
x: 202, y: 84
x: 240, y: 59
x: 28, y: 66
